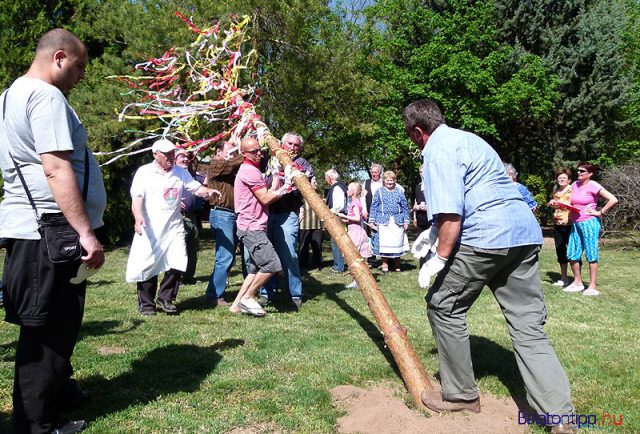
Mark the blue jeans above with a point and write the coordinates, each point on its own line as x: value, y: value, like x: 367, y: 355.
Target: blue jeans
x: 223, y: 227
x: 338, y: 259
x: 283, y: 232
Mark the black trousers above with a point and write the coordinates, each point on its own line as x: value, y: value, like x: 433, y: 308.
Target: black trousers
x: 192, y: 241
x: 49, y: 310
x: 313, y: 238
x: 168, y: 290
x: 561, y: 239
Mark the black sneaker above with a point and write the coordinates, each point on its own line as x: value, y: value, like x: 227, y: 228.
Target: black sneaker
x: 148, y: 312
x: 167, y: 306
x: 70, y: 427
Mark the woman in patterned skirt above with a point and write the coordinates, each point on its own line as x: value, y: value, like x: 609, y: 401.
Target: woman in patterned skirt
x: 390, y: 214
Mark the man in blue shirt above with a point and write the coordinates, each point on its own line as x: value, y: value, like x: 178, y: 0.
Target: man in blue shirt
x: 486, y: 236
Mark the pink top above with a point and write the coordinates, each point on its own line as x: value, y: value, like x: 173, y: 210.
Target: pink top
x: 583, y: 197
x: 252, y: 215
x: 355, y: 203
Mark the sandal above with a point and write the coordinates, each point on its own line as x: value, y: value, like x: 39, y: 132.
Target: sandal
x: 251, y: 307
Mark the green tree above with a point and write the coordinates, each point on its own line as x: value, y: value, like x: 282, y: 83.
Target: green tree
x: 585, y: 43
x: 306, y: 70
x: 22, y: 22
x: 449, y: 51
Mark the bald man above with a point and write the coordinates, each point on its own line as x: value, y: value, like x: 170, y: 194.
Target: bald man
x: 251, y: 202
x: 44, y: 142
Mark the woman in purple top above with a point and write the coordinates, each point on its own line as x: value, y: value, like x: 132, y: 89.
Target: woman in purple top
x: 586, y: 226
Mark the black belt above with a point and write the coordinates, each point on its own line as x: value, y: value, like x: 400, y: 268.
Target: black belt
x: 222, y: 208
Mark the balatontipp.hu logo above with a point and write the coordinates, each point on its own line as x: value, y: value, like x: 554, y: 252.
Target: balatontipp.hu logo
x: 580, y: 420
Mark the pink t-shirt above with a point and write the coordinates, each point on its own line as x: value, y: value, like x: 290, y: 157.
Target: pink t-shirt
x: 252, y: 215
x: 583, y: 197
x: 355, y: 203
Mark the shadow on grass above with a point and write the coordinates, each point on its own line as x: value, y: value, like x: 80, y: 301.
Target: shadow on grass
x: 553, y: 276
x: 198, y: 302
x: 8, y: 352
x: 162, y: 371
x: 370, y: 328
x: 493, y: 360
x: 102, y: 328
x: 100, y: 282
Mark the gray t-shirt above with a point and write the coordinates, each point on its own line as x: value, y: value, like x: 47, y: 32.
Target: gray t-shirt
x: 38, y: 119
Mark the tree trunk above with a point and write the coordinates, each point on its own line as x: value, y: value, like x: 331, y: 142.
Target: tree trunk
x: 395, y: 335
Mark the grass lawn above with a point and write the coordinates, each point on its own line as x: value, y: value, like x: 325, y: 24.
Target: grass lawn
x: 207, y: 370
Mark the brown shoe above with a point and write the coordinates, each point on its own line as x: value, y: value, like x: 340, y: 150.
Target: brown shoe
x: 433, y: 400
x: 222, y: 302
x: 564, y: 428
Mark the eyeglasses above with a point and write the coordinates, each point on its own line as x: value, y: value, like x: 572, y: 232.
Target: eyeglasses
x: 254, y: 151
x: 583, y: 171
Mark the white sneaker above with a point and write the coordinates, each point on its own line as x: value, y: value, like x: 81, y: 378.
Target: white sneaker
x: 353, y: 284
x: 559, y: 283
x: 574, y: 288
x: 591, y: 292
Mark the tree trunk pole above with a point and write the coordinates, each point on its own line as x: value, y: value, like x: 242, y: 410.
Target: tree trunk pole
x: 395, y: 335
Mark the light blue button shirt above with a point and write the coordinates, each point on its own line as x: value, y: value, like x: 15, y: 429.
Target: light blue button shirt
x: 464, y: 175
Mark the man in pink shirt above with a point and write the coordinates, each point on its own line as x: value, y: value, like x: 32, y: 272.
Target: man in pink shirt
x: 251, y: 202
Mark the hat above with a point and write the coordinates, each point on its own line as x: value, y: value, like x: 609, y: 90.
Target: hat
x: 163, y: 145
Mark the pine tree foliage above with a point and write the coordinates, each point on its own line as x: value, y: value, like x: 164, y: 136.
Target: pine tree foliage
x: 584, y: 44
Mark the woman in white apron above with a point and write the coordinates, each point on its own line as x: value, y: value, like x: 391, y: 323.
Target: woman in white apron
x: 390, y: 213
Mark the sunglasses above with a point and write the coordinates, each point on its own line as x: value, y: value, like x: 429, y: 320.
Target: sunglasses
x: 583, y: 171
x: 254, y: 151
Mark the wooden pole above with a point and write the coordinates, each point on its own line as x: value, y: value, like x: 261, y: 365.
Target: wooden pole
x: 395, y: 335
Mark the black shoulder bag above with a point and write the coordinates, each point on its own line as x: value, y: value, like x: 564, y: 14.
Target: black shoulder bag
x: 62, y: 241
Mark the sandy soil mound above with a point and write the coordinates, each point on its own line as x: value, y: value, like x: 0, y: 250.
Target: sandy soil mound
x: 377, y: 410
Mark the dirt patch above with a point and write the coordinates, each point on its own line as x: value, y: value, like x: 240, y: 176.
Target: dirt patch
x: 270, y: 428
x: 378, y: 410
x: 107, y: 351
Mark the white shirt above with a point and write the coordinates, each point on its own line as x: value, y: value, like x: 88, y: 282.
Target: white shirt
x: 338, y: 200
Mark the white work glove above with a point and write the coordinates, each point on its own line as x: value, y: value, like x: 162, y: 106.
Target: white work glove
x: 426, y: 241
x: 430, y: 269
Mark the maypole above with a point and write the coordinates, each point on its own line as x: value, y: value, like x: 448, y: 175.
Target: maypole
x: 395, y: 335
x: 211, y: 68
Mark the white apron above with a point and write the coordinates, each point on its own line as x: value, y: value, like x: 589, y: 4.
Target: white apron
x: 393, y: 240
x: 161, y: 245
